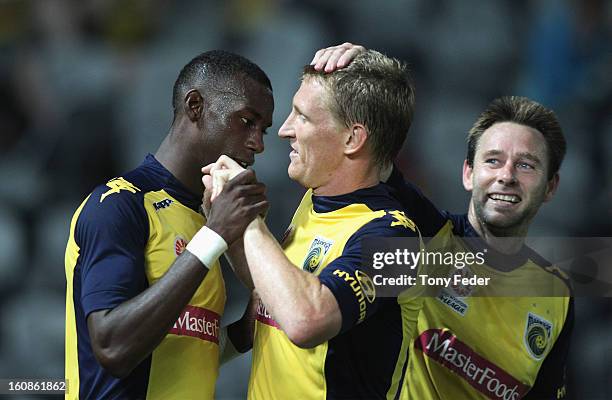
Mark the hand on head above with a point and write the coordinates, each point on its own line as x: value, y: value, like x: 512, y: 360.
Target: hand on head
x: 332, y: 58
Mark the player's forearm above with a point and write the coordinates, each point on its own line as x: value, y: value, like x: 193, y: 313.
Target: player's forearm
x: 237, y: 260
x: 294, y: 298
x: 127, y: 334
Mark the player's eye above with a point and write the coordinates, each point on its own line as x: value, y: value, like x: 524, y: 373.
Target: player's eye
x: 492, y: 161
x: 524, y: 165
x: 248, y: 122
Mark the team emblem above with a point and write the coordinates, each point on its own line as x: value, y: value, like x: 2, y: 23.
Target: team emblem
x: 367, y: 286
x: 537, y: 336
x: 179, y: 245
x: 317, y: 252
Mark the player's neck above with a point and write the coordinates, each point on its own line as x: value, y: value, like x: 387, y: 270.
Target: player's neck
x: 348, y: 178
x: 178, y: 162
x: 506, y: 242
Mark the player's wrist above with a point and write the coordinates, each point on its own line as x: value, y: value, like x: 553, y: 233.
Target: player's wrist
x: 257, y: 224
x: 207, y: 246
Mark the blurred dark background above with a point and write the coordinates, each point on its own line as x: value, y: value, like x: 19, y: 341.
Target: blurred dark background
x: 85, y: 92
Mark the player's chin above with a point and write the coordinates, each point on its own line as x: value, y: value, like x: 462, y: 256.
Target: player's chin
x: 503, y: 219
x: 294, y: 172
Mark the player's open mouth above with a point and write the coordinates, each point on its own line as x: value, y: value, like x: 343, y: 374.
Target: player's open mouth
x: 509, y: 198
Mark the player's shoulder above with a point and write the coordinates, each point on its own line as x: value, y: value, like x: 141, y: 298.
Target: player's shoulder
x: 416, y: 205
x: 121, y: 198
x: 119, y: 191
x: 128, y: 187
x: 392, y: 222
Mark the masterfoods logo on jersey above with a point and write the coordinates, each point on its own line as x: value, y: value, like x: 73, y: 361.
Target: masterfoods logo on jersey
x: 486, y: 377
x: 537, y: 335
x: 317, y: 252
x: 199, y: 323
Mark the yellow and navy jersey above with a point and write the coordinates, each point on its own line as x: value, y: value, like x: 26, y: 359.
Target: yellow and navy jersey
x: 367, y: 359
x: 473, y: 344
x: 123, y: 238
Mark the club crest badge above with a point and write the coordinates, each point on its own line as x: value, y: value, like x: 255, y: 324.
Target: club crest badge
x: 537, y: 336
x: 316, y: 254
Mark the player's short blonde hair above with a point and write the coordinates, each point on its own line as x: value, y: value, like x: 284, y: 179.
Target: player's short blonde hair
x: 376, y: 91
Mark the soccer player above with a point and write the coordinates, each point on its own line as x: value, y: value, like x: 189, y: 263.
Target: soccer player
x: 472, y: 344
x: 321, y: 332
x: 143, y: 307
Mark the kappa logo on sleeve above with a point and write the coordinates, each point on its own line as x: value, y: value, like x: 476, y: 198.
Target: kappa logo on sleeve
x: 116, y: 185
x: 402, y: 220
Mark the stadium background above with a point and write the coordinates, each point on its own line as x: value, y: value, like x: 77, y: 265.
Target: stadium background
x: 85, y: 92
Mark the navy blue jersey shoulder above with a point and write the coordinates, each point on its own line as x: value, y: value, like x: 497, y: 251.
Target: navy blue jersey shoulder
x: 461, y: 225
x: 376, y: 198
x: 111, y: 233
x: 419, y: 208
x: 347, y: 268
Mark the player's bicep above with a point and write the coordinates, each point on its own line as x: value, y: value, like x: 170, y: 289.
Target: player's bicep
x: 351, y: 290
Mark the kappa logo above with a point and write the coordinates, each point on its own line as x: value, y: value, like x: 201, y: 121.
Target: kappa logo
x: 317, y: 252
x: 403, y: 220
x: 162, y: 204
x: 116, y: 185
x: 537, y: 336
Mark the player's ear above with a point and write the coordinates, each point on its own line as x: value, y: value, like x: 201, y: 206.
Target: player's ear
x: 194, y: 105
x: 467, y: 176
x: 356, y: 139
x: 551, y: 187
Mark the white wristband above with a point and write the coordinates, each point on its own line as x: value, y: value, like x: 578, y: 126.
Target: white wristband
x: 207, y: 246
